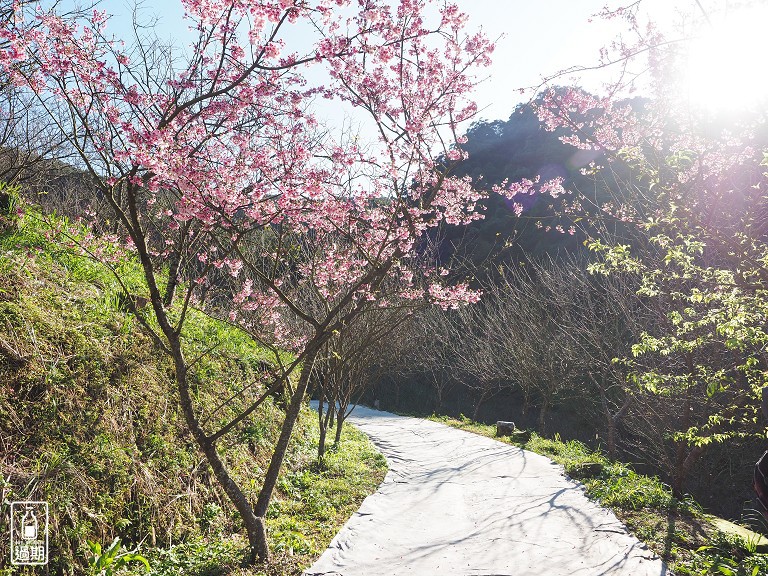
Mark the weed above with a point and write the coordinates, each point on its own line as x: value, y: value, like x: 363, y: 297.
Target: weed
x: 197, y: 557
x: 112, y: 559
x: 210, y: 518
x: 622, y: 487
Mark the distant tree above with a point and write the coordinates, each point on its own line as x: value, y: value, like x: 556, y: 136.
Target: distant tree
x: 501, y: 153
x: 29, y: 143
x: 605, y: 318
x: 353, y: 358
x: 436, y: 338
x: 549, y: 330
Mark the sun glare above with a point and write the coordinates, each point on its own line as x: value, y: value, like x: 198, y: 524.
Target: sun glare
x: 726, y: 62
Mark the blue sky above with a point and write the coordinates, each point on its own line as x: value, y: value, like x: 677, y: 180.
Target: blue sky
x: 536, y: 38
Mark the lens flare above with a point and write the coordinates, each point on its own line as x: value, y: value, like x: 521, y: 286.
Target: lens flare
x: 725, y: 67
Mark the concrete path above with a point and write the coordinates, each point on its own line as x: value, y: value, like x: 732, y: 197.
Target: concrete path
x: 454, y: 503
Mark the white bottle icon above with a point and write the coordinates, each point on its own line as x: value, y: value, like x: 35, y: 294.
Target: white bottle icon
x: 29, y: 525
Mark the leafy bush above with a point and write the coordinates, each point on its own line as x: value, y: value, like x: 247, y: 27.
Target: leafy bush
x: 196, y: 557
x: 622, y: 487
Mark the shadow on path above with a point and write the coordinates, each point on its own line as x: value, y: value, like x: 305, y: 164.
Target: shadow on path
x: 454, y: 503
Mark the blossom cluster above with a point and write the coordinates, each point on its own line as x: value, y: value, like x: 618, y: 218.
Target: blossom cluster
x: 219, y: 155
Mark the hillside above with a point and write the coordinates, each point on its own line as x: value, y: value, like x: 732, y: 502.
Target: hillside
x: 89, y: 423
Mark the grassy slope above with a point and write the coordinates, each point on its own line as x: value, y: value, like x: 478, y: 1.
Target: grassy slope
x: 678, y: 531
x: 89, y: 422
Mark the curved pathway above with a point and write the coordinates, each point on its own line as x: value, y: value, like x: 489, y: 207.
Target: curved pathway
x: 455, y: 503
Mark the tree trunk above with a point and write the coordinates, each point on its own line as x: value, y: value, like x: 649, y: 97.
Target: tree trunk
x: 611, y: 438
x: 326, y: 422
x: 254, y: 525
x: 322, y: 426
x: 339, y: 425
x: 291, y: 414
x: 321, y: 443
x: 438, y: 397
x: 611, y: 420
x: 682, y: 469
x: 683, y: 461
x: 543, y: 416
x: 610, y: 423
x: 342, y: 411
x: 478, y: 404
x: 173, y: 279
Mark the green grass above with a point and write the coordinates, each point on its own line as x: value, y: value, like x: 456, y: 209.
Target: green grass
x: 90, y: 422
x: 317, y: 497
x: 314, y: 500
x: 678, y: 531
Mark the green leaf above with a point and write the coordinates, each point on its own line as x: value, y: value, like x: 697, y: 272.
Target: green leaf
x: 113, y: 547
x: 137, y: 558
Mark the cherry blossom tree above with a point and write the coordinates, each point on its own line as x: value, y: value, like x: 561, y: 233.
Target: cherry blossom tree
x: 687, y: 219
x: 219, y: 175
